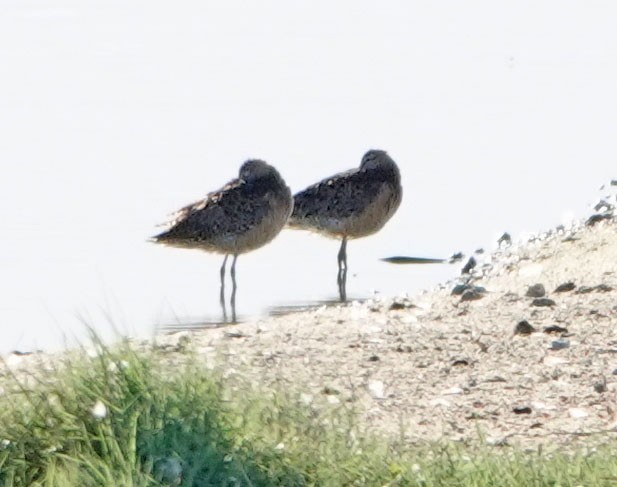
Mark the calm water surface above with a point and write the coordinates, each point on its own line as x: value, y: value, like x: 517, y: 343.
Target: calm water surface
x: 115, y: 114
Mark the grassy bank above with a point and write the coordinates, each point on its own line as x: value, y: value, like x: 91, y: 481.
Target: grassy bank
x: 129, y: 418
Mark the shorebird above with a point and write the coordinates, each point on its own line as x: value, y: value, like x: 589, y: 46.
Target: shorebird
x: 351, y: 204
x: 245, y: 214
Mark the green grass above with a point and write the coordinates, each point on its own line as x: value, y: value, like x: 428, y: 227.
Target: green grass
x: 181, y: 424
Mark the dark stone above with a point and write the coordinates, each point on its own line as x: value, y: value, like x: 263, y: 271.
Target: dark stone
x: 600, y: 386
x: 471, y: 263
x: 598, y: 217
x: 456, y: 257
x: 460, y: 289
x: 505, y: 239
x: 560, y: 344
x: 479, y: 251
x: 373, y: 358
x: 543, y: 302
x: 601, y: 288
x: 399, y: 304
x: 614, y: 182
x: 603, y: 205
x: 523, y: 328
x: 555, y: 329
x: 459, y: 362
x: 473, y: 294
x: 521, y: 410
x: 565, y: 287
x: 536, y: 291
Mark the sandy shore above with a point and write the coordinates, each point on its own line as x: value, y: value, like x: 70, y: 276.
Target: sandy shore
x: 443, y: 365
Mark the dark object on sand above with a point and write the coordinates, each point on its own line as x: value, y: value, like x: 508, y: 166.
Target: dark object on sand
x: 521, y: 410
x: 535, y: 291
x: 565, y: 287
x: 471, y: 263
x: 460, y: 289
x: 555, y: 329
x: 401, y: 259
x: 456, y: 257
x: 597, y: 218
x: 505, y: 239
x: 543, y: 302
x: 523, y: 328
x: 560, y: 344
x: 473, y: 294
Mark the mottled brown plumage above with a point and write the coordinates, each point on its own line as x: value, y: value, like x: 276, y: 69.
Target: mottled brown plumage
x: 351, y: 204
x: 243, y: 215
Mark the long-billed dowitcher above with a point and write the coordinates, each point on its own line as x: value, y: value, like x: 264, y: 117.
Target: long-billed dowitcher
x: 245, y: 214
x: 350, y: 204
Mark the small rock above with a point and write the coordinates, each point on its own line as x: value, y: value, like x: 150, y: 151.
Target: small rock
x: 471, y: 263
x: 373, y: 358
x: 577, y: 413
x: 505, y: 239
x: 565, y: 287
x: 456, y: 257
x: 555, y: 329
x: 479, y: 251
x: 596, y: 218
x: 559, y: 344
x: 459, y: 289
x: 377, y: 389
x: 584, y: 290
x: 614, y: 182
x: 460, y: 362
x: 535, y: 291
x: 543, y: 302
x: 523, y: 328
x: 521, y: 410
x: 473, y: 294
x: 603, y: 288
x: 600, y: 386
x: 614, y: 372
x: 452, y: 391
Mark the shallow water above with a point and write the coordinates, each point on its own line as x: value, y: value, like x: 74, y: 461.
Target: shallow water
x: 113, y: 116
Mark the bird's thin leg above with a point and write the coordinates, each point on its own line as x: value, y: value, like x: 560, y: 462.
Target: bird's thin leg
x: 233, y: 289
x: 222, y: 297
x: 341, y: 278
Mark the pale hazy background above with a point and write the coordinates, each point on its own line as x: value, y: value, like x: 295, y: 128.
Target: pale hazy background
x: 501, y: 116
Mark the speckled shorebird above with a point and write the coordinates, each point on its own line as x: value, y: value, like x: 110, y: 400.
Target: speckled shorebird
x: 350, y: 204
x: 243, y: 215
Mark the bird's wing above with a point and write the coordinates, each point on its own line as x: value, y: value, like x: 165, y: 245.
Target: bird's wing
x: 338, y: 196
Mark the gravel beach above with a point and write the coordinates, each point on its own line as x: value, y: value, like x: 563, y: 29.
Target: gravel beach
x: 522, y: 351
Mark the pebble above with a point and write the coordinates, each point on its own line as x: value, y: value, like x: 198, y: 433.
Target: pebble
x: 555, y: 329
x: 471, y: 263
x: 577, y: 413
x: 377, y: 389
x: 536, y: 291
x: 452, y: 391
x: 559, y: 344
x: 543, y: 302
x: 521, y: 410
x: 473, y: 294
x: 505, y: 239
x: 523, y: 328
x: 565, y: 287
